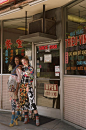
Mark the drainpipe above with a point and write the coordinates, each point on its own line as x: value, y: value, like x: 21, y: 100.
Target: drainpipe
x: 1, y: 61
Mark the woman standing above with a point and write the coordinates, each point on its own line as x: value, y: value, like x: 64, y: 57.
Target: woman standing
x: 13, y: 85
x: 27, y: 79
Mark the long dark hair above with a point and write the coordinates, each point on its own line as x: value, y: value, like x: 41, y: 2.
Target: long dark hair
x: 13, y: 60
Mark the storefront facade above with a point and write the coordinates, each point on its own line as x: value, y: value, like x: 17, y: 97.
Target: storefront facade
x: 58, y: 61
x: 75, y: 67
x: 44, y: 55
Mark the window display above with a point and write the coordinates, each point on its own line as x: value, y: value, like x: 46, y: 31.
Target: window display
x: 75, y: 39
x: 12, y: 45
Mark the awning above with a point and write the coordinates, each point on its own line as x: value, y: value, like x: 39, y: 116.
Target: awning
x: 38, y: 37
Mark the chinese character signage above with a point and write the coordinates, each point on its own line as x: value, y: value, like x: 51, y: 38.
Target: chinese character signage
x: 51, y: 90
x: 11, y: 50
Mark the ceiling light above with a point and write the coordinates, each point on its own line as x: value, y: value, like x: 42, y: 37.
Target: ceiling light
x: 36, y: 2
x: 21, y: 28
x: 10, y: 11
x: 76, y: 19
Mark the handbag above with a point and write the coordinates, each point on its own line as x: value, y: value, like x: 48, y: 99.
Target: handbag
x: 12, y: 81
x: 11, y: 84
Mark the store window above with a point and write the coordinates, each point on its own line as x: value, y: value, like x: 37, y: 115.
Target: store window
x: 75, y: 39
x: 13, y: 45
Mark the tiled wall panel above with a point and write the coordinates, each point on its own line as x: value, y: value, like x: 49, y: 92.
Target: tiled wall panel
x: 6, y: 103
x: 75, y: 100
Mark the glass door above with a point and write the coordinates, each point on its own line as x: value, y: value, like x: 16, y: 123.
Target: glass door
x: 47, y: 65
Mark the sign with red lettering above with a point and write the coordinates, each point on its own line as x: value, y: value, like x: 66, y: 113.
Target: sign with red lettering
x: 5, y: 2
x: 51, y: 47
x: 8, y: 44
x: 19, y: 42
x: 66, y: 57
x: 70, y: 42
x: 51, y: 90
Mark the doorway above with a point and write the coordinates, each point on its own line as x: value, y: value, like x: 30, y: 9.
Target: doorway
x: 47, y: 79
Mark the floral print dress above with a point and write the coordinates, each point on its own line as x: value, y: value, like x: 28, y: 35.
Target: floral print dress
x: 27, y: 79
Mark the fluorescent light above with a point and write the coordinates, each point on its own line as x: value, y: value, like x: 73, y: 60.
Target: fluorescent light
x: 76, y: 19
x: 10, y: 11
x: 36, y: 2
x: 21, y: 28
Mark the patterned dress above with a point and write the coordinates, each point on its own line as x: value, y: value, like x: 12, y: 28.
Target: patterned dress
x: 27, y: 79
x: 14, y: 78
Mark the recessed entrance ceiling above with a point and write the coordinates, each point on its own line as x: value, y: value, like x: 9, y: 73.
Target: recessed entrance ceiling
x: 32, y: 10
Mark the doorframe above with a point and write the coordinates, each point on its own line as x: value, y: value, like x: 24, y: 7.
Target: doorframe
x: 58, y: 113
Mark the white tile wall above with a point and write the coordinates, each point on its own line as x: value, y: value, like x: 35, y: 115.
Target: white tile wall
x: 75, y: 100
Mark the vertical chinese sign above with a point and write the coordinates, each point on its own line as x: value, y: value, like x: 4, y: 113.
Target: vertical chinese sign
x: 51, y: 90
x: 8, y: 46
x: 11, y: 50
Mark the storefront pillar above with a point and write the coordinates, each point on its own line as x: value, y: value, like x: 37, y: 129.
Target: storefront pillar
x: 1, y: 59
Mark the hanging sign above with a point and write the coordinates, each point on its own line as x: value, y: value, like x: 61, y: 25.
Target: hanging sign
x: 51, y: 90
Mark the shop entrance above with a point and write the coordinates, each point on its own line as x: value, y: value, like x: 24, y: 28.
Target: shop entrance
x: 47, y: 79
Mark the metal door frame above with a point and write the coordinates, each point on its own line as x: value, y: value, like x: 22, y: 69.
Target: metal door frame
x: 57, y: 113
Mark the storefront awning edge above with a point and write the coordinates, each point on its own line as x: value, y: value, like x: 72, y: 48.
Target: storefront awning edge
x: 38, y: 37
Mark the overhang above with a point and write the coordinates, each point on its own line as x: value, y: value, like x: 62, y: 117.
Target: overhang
x: 38, y: 37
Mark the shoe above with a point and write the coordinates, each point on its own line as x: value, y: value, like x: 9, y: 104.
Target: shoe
x: 37, y: 121
x: 26, y: 120
x: 12, y: 122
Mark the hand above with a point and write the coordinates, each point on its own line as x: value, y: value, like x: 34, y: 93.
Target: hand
x: 16, y: 92
x: 27, y: 89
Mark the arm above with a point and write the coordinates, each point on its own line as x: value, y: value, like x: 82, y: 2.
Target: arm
x: 18, y: 72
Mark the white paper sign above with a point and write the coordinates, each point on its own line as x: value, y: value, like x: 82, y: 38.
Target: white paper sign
x: 57, y: 69
x: 56, y: 74
x: 38, y: 69
x: 47, y: 58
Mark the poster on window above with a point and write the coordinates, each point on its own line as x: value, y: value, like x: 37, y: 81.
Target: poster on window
x: 47, y: 58
x: 51, y: 90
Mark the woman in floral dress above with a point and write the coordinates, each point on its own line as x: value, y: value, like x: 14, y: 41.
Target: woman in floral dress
x: 26, y: 90
x: 13, y: 85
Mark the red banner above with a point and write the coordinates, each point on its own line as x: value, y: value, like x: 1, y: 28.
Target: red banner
x: 51, y: 90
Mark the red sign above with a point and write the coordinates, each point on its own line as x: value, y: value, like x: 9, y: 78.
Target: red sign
x: 19, y: 42
x: 51, y: 47
x: 66, y: 57
x: 51, y: 90
x: 70, y: 42
x: 3, y: 1
x: 8, y: 44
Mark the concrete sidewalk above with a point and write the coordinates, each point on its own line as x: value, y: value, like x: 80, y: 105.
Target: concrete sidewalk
x: 56, y: 124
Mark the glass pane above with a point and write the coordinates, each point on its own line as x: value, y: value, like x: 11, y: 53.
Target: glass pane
x: 75, y: 39
x: 13, y: 45
x: 0, y: 47
x: 47, y: 61
x: 48, y: 94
